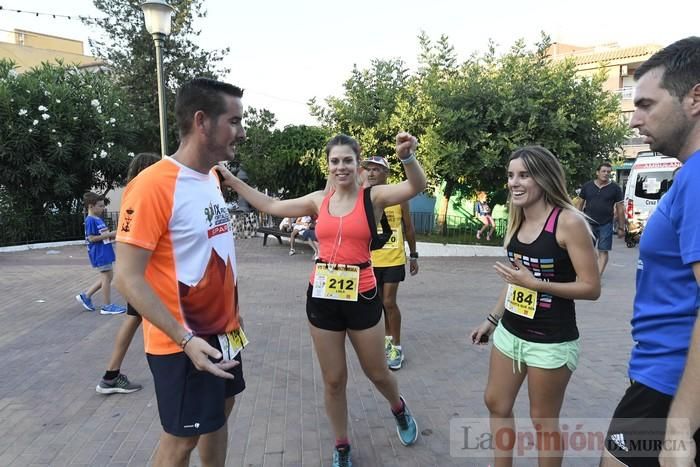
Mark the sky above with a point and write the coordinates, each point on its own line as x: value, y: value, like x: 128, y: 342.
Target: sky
x: 285, y: 52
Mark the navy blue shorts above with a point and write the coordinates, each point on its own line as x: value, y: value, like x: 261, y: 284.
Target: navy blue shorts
x: 603, y: 236
x: 131, y: 311
x: 192, y: 402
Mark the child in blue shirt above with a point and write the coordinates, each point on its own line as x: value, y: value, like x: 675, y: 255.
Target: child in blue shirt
x: 99, y: 244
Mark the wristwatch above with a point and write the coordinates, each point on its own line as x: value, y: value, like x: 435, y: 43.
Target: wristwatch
x: 413, y: 255
x: 186, y: 339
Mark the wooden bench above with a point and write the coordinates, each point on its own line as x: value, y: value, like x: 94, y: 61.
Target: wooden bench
x: 269, y: 225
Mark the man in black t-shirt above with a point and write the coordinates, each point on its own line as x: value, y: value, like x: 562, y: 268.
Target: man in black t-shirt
x: 600, y: 199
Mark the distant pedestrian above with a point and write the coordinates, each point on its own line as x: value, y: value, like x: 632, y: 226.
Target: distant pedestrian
x: 101, y: 253
x: 389, y: 262
x: 601, y: 201
x: 483, y: 212
x: 114, y: 381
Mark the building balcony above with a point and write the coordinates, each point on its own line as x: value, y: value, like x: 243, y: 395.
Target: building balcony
x: 626, y: 93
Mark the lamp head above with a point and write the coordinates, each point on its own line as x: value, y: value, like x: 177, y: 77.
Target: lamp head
x: 157, y: 16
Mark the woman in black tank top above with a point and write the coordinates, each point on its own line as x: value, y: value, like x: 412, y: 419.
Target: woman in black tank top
x: 552, y: 263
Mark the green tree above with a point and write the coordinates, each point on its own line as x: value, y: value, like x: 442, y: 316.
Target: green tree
x: 62, y: 132
x: 470, y: 116
x: 489, y: 105
x: 287, y: 162
x: 367, y: 108
x: 129, y: 50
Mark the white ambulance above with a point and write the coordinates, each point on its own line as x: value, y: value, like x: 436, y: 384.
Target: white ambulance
x: 651, y: 176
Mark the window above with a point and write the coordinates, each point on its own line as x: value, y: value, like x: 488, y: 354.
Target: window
x: 652, y: 185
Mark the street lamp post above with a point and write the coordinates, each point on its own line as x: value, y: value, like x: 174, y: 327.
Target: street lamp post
x: 157, y: 15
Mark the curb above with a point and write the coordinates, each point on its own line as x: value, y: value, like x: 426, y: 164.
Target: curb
x: 39, y: 246
x: 429, y: 250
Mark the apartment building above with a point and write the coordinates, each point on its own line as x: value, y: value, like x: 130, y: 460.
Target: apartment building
x: 29, y: 49
x: 619, y: 64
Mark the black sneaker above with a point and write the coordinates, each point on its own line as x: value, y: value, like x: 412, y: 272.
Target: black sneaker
x: 118, y: 385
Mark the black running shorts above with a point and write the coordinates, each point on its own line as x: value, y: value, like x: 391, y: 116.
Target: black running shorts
x: 192, y: 402
x: 339, y: 315
x: 390, y: 274
x: 131, y: 311
x: 638, y: 427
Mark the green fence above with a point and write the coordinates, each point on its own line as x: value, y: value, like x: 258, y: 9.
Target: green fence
x: 22, y: 230
x: 453, y: 229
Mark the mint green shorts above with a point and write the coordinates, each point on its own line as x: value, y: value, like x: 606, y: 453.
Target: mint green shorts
x: 535, y: 354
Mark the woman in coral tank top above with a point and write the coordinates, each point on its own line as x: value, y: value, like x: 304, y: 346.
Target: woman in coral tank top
x: 342, y: 297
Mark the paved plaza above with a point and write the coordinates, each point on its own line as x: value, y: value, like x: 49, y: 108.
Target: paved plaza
x: 53, y: 354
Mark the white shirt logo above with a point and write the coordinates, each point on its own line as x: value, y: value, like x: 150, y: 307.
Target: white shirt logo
x: 619, y: 439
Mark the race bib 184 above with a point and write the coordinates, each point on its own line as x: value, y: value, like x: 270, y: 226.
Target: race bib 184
x: 521, y: 301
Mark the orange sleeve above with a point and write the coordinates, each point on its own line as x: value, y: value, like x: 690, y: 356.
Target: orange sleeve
x: 147, y: 206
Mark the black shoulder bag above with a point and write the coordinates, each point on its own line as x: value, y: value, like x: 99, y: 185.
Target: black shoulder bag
x: 378, y: 239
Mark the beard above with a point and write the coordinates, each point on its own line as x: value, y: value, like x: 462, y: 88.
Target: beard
x: 217, y: 151
x: 678, y: 130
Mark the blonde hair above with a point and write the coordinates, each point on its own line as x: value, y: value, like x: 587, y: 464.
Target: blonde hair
x: 547, y: 172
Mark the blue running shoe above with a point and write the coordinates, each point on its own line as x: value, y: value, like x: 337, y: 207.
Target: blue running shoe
x: 112, y: 309
x: 85, y: 301
x: 341, y: 456
x: 395, y: 360
x: 406, y: 426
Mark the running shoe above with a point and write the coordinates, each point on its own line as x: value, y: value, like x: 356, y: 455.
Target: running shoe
x: 118, y: 385
x: 291, y: 252
x: 85, y: 301
x: 341, y: 456
x: 406, y: 426
x: 112, y: 309
x: 387, y: 346
x: 395, y: 359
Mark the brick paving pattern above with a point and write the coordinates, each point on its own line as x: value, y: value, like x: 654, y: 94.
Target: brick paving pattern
x: 54, y: 354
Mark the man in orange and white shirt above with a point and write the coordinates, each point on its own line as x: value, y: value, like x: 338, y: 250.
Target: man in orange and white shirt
x: 177, y: 267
